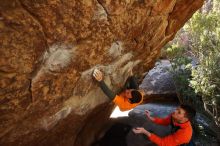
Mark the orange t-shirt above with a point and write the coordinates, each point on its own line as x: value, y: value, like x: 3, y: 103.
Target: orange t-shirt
x: 124, y: 104
x: 181, y: 136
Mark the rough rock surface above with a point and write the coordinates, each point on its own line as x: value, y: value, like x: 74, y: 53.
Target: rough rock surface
x: 158, y: 82
x: 48, y: 49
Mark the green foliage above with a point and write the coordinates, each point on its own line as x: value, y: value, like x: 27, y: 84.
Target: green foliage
x: 204, y: 29
x: 206, y: 77
x: 203, y: 33
x: 181, y: 71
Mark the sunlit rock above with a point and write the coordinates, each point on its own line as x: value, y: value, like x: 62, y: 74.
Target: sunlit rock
x: 49, y: 48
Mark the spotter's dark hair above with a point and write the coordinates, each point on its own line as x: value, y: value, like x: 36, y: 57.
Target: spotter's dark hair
x: 190, y: 111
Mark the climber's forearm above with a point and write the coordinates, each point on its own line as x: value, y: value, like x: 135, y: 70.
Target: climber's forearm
x: 106, y: 90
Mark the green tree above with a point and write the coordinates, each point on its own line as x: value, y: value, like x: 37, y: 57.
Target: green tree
x: 203, y: 33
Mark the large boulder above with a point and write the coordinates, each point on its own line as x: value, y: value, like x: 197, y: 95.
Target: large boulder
x: 49, y: 48
x: 158, y: 84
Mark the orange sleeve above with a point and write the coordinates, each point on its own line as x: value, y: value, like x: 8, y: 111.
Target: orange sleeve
x: 118, y: 99
x: 123, y: 104
x: 163, y: 121
x: 178, y: 138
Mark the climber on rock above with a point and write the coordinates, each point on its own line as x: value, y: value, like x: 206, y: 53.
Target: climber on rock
x: 181, y: 129
x: 128, y: 98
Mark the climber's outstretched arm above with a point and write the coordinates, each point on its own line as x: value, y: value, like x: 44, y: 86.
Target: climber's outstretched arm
x: 97, y: 74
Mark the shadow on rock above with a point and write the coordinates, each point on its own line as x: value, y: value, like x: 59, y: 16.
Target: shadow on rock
x: 115, y: 136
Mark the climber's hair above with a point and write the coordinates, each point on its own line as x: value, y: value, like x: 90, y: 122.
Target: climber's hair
x: 136, y: 96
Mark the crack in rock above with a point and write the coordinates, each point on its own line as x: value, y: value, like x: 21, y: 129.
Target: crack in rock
x: 102, y: 11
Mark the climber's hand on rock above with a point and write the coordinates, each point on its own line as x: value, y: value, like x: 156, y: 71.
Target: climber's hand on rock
x: 147, y: 112
x: 97, y: 74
